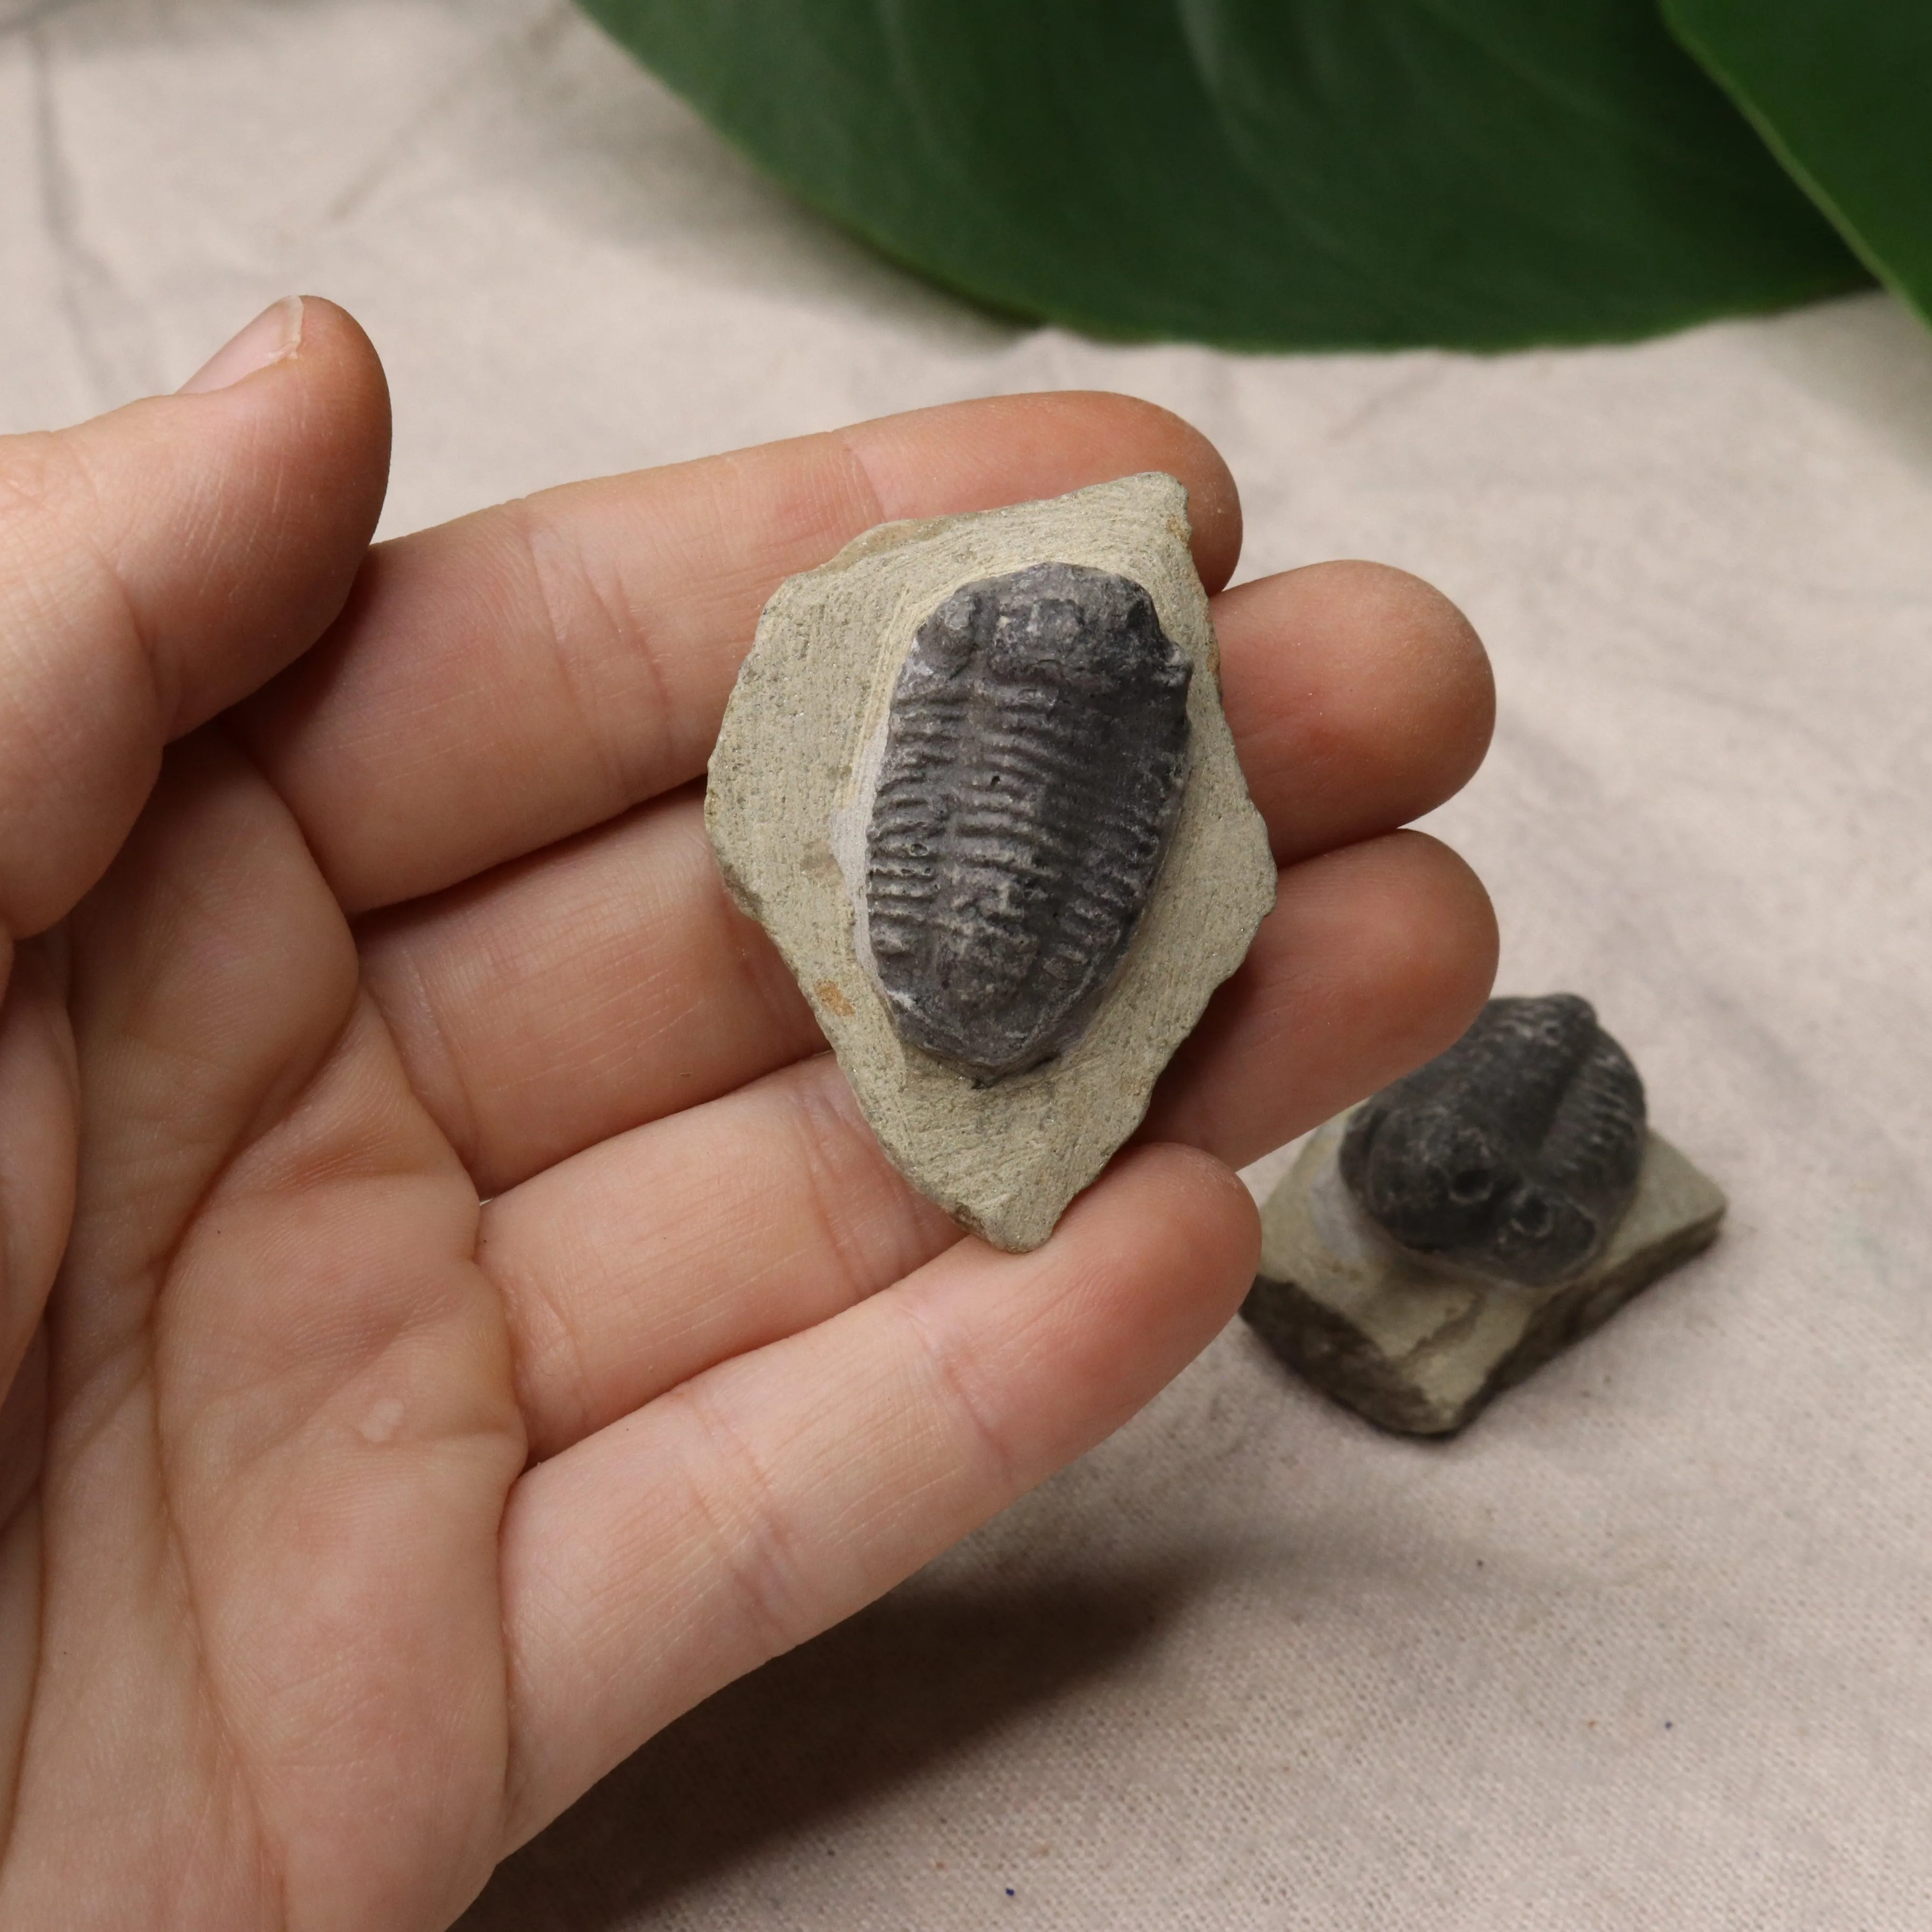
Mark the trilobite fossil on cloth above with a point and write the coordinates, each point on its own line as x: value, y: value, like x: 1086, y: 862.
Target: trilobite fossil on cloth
x: 1516, y: 1152
x: 1035, y: 757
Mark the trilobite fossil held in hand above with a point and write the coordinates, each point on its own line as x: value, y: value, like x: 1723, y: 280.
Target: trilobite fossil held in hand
x: 1035, y: 758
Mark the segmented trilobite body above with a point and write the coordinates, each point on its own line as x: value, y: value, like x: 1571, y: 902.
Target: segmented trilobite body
x: 1034, y: 761
x: 1517, y: 1151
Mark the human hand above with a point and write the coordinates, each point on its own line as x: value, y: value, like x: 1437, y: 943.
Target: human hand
x: 456, y: 1318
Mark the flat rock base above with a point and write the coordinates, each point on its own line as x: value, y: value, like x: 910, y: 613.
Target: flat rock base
x: 1419, y: 1348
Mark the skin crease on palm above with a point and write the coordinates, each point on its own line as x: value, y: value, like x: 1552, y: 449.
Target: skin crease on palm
x: 453, y: 1317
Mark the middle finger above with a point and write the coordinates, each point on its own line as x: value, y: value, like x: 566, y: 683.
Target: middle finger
x: 610, y: 981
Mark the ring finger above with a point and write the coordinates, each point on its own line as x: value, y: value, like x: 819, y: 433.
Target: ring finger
x: 642, y: 1262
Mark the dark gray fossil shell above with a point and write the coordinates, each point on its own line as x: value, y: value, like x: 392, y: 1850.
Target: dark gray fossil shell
x: 1516, y: 1152
x: 1034, y: 761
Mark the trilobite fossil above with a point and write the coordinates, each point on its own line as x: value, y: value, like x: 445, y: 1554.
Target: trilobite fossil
x: 1035, y: 757
x: 1516, y: 1152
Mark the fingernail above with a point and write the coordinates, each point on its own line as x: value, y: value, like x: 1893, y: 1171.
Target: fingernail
x: 273, y: 334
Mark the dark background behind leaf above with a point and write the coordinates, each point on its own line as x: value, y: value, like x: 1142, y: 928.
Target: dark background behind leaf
x: 1267, y: 173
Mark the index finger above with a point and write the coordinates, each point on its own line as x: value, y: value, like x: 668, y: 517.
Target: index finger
x: 503, y: 681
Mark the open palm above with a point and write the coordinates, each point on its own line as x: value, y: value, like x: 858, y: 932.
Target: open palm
x: 456, y: 1318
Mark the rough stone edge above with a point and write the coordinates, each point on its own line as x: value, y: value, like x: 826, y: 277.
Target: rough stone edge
x: 1005, y: 1160
x: 1318, y: 1340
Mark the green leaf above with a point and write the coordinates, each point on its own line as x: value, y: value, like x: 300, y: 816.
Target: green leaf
x: 1265, y: 173
x: 1842, y: 90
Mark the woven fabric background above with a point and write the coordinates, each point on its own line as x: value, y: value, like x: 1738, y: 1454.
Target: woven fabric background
x: 1650, y: 1648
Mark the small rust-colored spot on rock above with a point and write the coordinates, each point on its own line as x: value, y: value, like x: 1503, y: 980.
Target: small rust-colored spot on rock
x: 830, y: 997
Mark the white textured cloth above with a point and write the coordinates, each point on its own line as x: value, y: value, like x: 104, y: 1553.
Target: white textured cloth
x: 1651, y: 1646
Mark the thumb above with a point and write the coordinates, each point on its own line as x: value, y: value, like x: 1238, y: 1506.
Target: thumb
x: 159, y: 562
x: 155, y: 565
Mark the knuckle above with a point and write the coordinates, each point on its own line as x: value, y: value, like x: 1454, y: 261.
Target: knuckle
x: 41, y: 475
x: 747, y: 1528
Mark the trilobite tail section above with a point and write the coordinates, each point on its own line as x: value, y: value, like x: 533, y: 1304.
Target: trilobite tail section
x: 1594, y: 1147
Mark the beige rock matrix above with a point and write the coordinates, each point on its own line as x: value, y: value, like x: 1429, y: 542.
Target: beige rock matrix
x: 793, y: 787
x: 1421, y: 1346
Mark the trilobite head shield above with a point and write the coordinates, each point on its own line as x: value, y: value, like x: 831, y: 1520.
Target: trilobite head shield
x: 1516, y: 1152
x: 1035, y: 757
